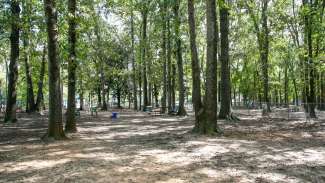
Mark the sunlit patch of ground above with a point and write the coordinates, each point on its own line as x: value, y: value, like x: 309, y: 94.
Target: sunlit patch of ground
x: 138, y: 147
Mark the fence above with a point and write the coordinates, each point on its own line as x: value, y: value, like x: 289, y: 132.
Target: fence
x: 288, y: 112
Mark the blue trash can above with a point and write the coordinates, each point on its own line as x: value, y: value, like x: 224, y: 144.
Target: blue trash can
x: 114, y: 115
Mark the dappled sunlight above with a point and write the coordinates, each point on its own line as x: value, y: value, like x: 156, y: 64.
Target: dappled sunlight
x: 34, y: 164
x: 159, y: 149
x: 97, y: 155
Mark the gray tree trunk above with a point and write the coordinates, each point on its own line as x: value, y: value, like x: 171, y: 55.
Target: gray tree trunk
x: 55, y: 129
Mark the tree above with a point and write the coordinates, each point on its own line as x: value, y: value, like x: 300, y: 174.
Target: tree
x: 181, y: 109
x: 196, y: 81
x: 135, y: 95
x: 309, y: 66
x: 224, y: 59
x: 10, y: 115
x: 206, y: 117
x: 40, y: 95
x: 210, y: 102
x: 144, y: 13
x: 30, y: 102
x: 55, y: 129
x: 164, y: 56
x: 70, y: 125
x: 263, y: 45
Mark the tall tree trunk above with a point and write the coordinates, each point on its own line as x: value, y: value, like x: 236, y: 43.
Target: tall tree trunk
x: 104, y: 104
x: 107, y: 97
x: 264, y: 54
x: 30, y: 102
x: 310, y: 73
x: 10, y: 115
x: 135, y: 96
x: 173, y: 87
x: 181, y: 97
x: 99, y: 97
x: 81, y: 94
x: 210, y: 102
x: 196, y: 81
x: 119, y: 98
x: 322, y: 92
x: 170, y: 67
x: 55, y: 129
x: 70, y: 125
x: 224, y: 58
x: 140, y: 91
x: 164, y: 58
x: 286, y: 83
x: 40, y: 96
x: 144, y: 54
x: 156, y: 94
x: 82, y: 100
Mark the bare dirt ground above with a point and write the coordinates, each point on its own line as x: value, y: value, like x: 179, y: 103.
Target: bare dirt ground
x: 140, y: 148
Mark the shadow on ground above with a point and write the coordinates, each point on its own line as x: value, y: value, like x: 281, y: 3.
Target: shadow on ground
x: 142, y: 148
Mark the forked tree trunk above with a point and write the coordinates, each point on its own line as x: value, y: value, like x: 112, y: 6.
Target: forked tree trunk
x: 70, y: 125
x: 10, y: 115
x: 55, y: 129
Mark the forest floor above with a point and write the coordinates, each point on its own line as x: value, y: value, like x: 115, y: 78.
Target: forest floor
x: 140, y: 148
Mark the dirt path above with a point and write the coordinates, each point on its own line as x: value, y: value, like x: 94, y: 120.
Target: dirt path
x: 140, y: 148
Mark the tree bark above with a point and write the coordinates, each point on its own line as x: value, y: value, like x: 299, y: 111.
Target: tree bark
x: 10, y: 115
x: 169, y: 67
x: 144, y: 54
x: 224, y: 58
x: 195, y: 64
x: 309, y: 70
x: 286, y: 87
x: 40, y: 96
x: 264, y: 54
x: 55, y: 129
x: 70, y: 125
x: 102, y: 78
x: 30, y: 102
x: 135, y: 96
x: 181, y: 108
x: 99, y: 97
x: 173, y: 86
x: 164, y: 58
x: 210, y: 102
